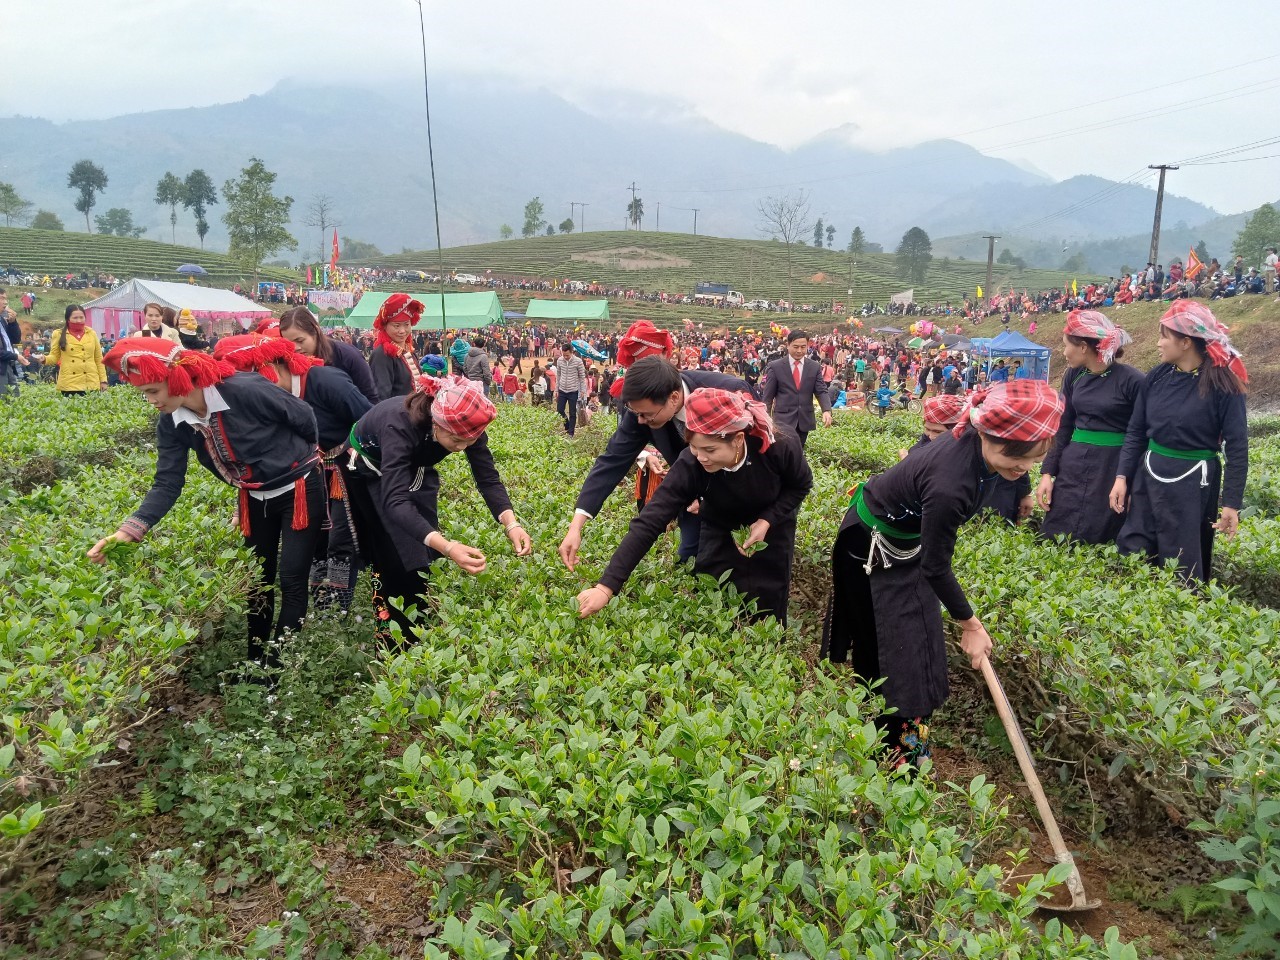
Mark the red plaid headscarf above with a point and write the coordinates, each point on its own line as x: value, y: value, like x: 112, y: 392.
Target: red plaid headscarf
x: 458, y: 404
x: 255, y: 353
x: 1191, y: 319
x: 1013, y: 410
x: 144, y: 360
x: 717, y: 412
x: 1092, y: 325
x: 397, y: 307
x: 643, y: 339
x: 944, y: 409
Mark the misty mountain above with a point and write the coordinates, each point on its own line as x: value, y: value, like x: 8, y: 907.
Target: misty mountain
x: 497, y: 145
x: 1110, y: 255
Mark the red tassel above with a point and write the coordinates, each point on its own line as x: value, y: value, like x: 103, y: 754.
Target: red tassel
x: 335, y: 484
x: 244, y: 512
x: 300, y: 518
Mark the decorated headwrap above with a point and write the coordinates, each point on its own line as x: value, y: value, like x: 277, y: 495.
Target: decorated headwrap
x: 459, y: 350
x: 1026, y: 410
x: 434, y: 365
x: 187, y: 322
x: 269, y: 327
x: 255, y: 353
x: 643, y: 339
x: 615, y: 388
x: 1191, y: 319
x: 144, y: 360
x: 458, y: 404
x: 944, y: 409
x: 1092, y: 325
x: 718, y: 412
x: 397, y: 308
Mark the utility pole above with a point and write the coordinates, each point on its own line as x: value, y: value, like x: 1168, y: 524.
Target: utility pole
x: 1155, y: 227
x: 991, y: 257
x: 695, y: 220
x: 657, y: 224
x: 581, y: 213
x: 633, y: 188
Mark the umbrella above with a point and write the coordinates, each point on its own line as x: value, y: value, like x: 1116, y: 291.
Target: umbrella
x: 915, y: 343
x: 584, y: 349
x: 885, y: 330
x: 955, y: 341
x: 193, y: 269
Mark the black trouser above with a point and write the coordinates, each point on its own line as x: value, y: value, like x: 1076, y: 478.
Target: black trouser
x: 569, y: 400
x: 285, y: 553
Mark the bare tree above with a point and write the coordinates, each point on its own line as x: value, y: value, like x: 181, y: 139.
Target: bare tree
x: 785, y: 218
x: 320, y: 213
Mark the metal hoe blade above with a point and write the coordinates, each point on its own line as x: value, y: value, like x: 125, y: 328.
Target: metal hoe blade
x: 1079, y: 901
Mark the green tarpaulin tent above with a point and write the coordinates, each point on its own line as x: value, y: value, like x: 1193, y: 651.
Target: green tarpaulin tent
x: 461, y: 311
x: 567, y: 310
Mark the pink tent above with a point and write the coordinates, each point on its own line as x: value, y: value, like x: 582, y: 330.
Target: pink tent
x: 118, y: 312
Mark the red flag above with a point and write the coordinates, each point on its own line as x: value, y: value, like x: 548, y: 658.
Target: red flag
x: 309, y: 280
x: 1194, y: 265
x: 333, y: 258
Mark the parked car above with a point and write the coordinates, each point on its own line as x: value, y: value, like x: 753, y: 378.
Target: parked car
x: 757, y: 305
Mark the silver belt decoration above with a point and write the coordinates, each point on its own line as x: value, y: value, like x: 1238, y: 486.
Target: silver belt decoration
x: 1202, y: 466
x: 887, y: 551
x: 354, y: 456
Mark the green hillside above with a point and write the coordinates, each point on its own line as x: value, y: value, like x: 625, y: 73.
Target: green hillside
x: 758, y: 268
x: 60, y: 252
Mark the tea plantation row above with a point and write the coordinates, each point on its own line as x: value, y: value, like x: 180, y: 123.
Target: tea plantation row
x: 662, y: 777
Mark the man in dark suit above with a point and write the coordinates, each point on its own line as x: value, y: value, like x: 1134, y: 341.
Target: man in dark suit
x: 791, y: 385
x: 650, y: 411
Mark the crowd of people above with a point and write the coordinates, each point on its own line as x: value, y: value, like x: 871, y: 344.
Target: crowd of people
x: 333, y: 448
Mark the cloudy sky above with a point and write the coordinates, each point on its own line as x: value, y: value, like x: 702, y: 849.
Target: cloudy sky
x: 1087, y: 87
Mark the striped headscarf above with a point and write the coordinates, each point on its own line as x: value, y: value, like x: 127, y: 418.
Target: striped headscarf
x: 458, y: 405
x: 1191, y: 319
x: 718, y: 412
x: 1092, y: 325
x: 944, y: 409
x: 1026, y: 410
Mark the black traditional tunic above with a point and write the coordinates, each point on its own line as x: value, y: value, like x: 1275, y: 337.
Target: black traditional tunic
x: 395, y: 477
x: 767, y: 486
x: 999, y: 495
x: 392, y: 376
x: 890, y: 622
x: 1085, y: 456
x: 1174, y: 499
x: 351, y: 361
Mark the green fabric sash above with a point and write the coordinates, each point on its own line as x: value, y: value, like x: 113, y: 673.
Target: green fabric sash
x: 355, y: 445
x: 874, y: 522
x: 1181, y: 454
x: 1097, y: 438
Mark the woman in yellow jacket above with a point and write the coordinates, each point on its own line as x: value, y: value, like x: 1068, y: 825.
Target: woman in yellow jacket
x: 77, y: 353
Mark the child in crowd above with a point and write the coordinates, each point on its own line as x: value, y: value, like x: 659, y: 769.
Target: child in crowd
x: 884, y: 397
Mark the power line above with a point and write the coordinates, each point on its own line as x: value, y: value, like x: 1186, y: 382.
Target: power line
x: 1210, y: 163
x: 1233, y: 93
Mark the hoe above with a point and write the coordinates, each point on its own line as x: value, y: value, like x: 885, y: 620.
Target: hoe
x: 1079, y: 901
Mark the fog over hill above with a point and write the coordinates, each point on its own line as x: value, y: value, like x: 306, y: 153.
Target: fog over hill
x: 498, y: 145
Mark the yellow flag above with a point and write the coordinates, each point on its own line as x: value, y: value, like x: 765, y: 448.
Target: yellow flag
x: 1075, y: 290
x: 979, y: 291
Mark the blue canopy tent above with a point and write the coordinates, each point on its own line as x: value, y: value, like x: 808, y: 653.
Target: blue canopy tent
x: 1014, y: 346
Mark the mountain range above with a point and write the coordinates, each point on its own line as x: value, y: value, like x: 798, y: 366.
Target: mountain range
x: 496, y: 146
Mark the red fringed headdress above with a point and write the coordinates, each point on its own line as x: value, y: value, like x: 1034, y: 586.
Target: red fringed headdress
x: 398, y: 306
x: 143, y: 360
x: 255, y: 353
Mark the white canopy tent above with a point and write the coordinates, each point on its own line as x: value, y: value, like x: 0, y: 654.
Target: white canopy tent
x: 118, y: 312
